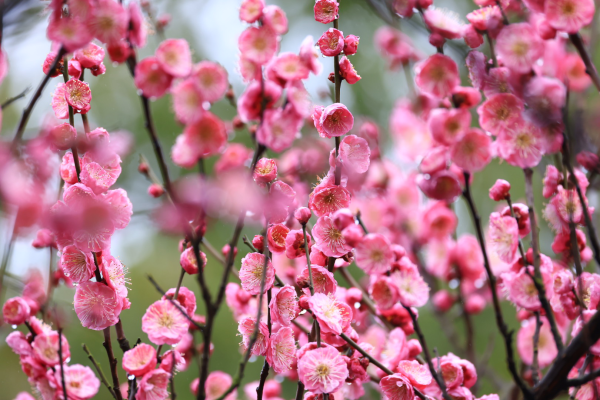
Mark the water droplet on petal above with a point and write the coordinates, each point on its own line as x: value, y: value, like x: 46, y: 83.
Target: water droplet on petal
x: 131, y: 377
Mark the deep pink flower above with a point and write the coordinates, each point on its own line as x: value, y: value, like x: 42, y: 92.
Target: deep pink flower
x: 281, y: 352
x: 206, y: 136
x: 151, y: 79
x: 374, y: 254
x: 251, y: 10
x: 519, y: 47
x: 326, y: 11
x: 90, y: 56
x: 322, y: 370
x: 323, y: 280
x: 80, y: 381
x: 17, y: 341
x: 251, y: 273
x: 310, y: 56
x: 250, y: 102
x: 329, y: 238
x: 284, y: 306
x: 336, y: 120
x: 472, y: 37
x: 334, y: 316
x: 384, y: 292
x: 108, y: 21
x: 417, y: 374
x: 210, y: 79
x: 258, y: 45
x: 294, y: 244
x: 164, y: 323
x: 280, y: 128
x: 504, y: 237
x: 397, y: 387
x: 138, y: 30
x: 97, y: 306
x: 101, y: 173
x: 188, y: 261
x: 274, y: 17
x: 547, y: 351
x: 569, y: 15
x: 78, y: 95
x: 276, y: 235
x: 327, y: 199
x: 351, y: 44
x: 442, y: 185
x: 186, y: 298
x: 62, y: 136
x: 187, y: 101
x: 73, y: 33
x: 45, y: 348
x: 16, y: 311
x: 473, y: 151
x: 153, y: 386
x: 79, y: 266
x: 140, y: 360
x: 438, y: 75
x: 500, y: 190
x: 331, y: 43
x: 265, y: 171
x: 174, y: 57
x: 289, y: 67
x: 448, y: 125
x: 246, y: 328
x: 521, y: 144
x: 348, y: 72
x: 413, y: 290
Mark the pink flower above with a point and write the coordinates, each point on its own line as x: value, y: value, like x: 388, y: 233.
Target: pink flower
x: 188, y: 261
x: 336, y: 120
x: 274, y: 17
x: 90, y: 56
x: 329, y: 238
x: 472, y: 37
x: 151, y: 79
x: 62, y: 136
x: 289, y: 67
x: 109, y: 21
x: 174, y: 57
x: 351, y: 44
x: 326, y: 11
x: 210, y: 79
x: 250, y: 102
x: 519, y: 47
x: 547, y: 351
x: 499, y: 112
x: 265, y: 171
x: 281, y: 352
x: 252, y: 271
x: 80, y: 382
x: 16, y: 311
x: 473, y: 151
x: 577, y: 79
x: 78, y: 95
x: 323, y: 280
x: 322, y: 370
x: 246, y: 328
x: 251, y: 10
x: 521, y: 144
x: 348, y: 72
x: 294, y: 244
x: 442, y: 185
x: 187, y: 101
x: 97, y: 306
x: 138, y: 30
x: 140, y: 360
x: 17, y: 341
x: 443, y: 23
x: 438, y: 75
x: 276, y: 235
x: 280, y: 128
x: 284, y: 306
x: 504, y: 237
x: 76, y: 264
x: 164, y: 323
x: 331, y: 43
x: 333, y: 315
x: 374, y: 254
x: 500, y: 191
x: 355, y: 154
x: 217, y: 383
x: 206, y: 136
x: 384, y: 292
x: 397, y: 387
x: 73, y: 33
x: 186, y: 298
x: 327, y: 199
x: 258, y: 45
x: 448, y: 125
x: 412, y: 289
x: 310, y: 56
x: 522, y: 291
x: 100, y: 175
x: 153, y: 386
x: 45, y: 348
x: 569, y: 15
x: 417, y: 374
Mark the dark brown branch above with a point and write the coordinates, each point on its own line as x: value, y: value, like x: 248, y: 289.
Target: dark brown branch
x: 98, y: 370
x: 265, y: 369
x: 62, y: 367
x: 123, y: 342
x: 113, y: 364
x: 535, y: 367
x: 502, y: 327
x: 590, y: 68
x: 8, y: 102
x: 584, y: 379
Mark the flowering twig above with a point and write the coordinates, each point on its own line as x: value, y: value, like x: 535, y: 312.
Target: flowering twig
x: 506, y: 334
x: 535, y: 246
x: 98, y: 370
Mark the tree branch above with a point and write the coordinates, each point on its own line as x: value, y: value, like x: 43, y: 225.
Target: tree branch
x: 98, y: 370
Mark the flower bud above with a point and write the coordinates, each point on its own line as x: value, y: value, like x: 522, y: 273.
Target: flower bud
x: 351, y: 44
x: 353, y: 295
x: 225, y: 251
x: 143, y: 168
x: 588, y: 160
x: 62, y: 136
x: 500, y: 190
x: 303, y: 302
x: 155, y: 190
x: 16, y: 311
x: 265, y: 171
x: 475, y: 304
x: 443, y: 300
x: 302, y: 215
x: 414, y: 348
x: 259, y: 243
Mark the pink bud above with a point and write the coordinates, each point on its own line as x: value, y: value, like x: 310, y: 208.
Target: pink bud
x: 443, y: 300
x: 352, y: 234
x: 75, y: 68
x: 351, y: 44
x: 436, y: 40
x: 259, y: 243
x: 302, y: 215
x: 62, y: 136
x: 225, y: 251
x: 265, y: 171
x: 500, y: 191
x: 588, y: 160
x: 44, y: 238
x: 435, y: 160
x: 143, y: 168
x: 414, y: 348
x: 353, y: 295
x: 16, y: 311
x: 155, y: 190
x: 443, y: 185
x: 188, y: 261
x: 475, y: 304
x: 303, y: 302
x: 473, y: 39
x: 563, y: 282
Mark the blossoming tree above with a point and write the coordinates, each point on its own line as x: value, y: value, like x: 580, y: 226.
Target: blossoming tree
x: 294, y: 295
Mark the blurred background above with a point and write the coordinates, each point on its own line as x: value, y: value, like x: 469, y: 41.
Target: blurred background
x: 211, y: 28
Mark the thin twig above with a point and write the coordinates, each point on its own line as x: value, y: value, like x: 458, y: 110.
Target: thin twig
x: 62, y: 367
x: 15, y: 98
x: 535, y: 370
x: 590, y: 68
x: 265, y: 369
x: 113, y: 363
x: 98, y: 370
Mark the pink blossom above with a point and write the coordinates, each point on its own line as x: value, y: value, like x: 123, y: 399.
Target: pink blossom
x: 164, y: 323
x: 500, y: 190
x: 274, y: 17
x: 246, y: 328
x: 289, y: 67
x: 108, y: 21
x: 265, y: 171
x: 294, y: 244
x: 153, y: 386
x: 151, y: 79
x: 351, y: 44
x: 473, y: 152
x: 355, y: 154
x: 281, y: 352
x: 322, y: 370
x: 78, y: 95
x: 448, y: 126
x: 397, y: 387
x: 309, y: 55
x: 101, y: 173
x: 521, y: 144
x: 336, y: 120
x: 331, y: 43
x: 569, y: 15
x: 174, y: 57
x: 522, y: 291
x: 333, y: 315
x: 206, y: 136
x: 577, y: 78
x: 16, y: 311
x: 80, y: 381
x: 519, y: 46
x: 186, y: 298
x: 348, y: 72
x: 73, y: 33
x: 383, y: 292
x: 323, y: 280
x: 284, y: 306
x: 62, y: 136
x: 374, y: 254
x: 251, y: 10
x: 443, y: 23
x: 250, y: 102
x: 45, y: 348
x: 442, y: 185
x: 500, y: 111
x: 216, y: 384
x: 327, y: 199
x: 412, y: 289
x: 97, y: 306
x: 472, y: 37
x: 90, y: 56
x: 17, y: 341
x: 187, y: 101
x: 76, y: 264
x: 280, y: 128
x: 438, y: 75
x: 252, y: 271
x: 140, y: 360
x: 504, y: 237
x: 188, y: 261
x: 258, y: 45
x: 138, y: 30
x: 276, y: 235
x: 329, y: 238
x: 326, y: 11
x: 547, y: 351
x: 210, y: 79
